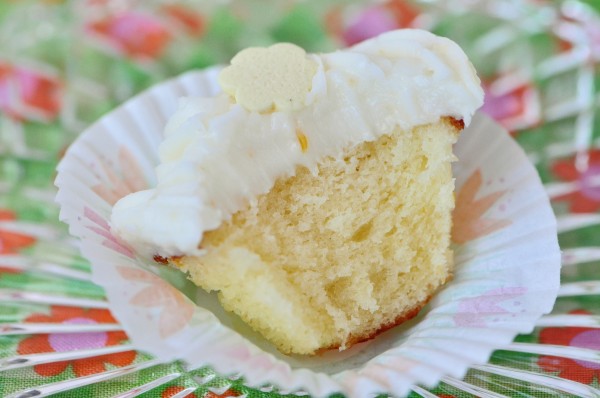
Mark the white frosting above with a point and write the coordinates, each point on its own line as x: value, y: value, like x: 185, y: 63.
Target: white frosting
x: 217, y: 156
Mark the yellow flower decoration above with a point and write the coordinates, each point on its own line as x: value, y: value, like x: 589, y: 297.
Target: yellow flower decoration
x: 276, y: 78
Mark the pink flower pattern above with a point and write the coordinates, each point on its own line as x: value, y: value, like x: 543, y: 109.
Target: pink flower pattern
x: 128, y: 179
x: 581, y: 371
x: 28, y: 94
x: 372, y: 21
x: 101, y: 227
x: 516, y: 107
x: 176, y: 310
x: 471, y: 311
x: 133, y: 33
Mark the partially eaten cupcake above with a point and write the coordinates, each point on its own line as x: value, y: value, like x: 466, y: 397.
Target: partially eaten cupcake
x: 314, y: 194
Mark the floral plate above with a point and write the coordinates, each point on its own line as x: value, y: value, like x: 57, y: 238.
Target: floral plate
x: 538, y: 60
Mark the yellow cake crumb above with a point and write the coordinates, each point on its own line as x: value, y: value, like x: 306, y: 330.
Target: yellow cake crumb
x: 328, y: 259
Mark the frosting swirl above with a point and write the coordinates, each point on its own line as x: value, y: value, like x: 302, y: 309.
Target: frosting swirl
x: 218, y: 155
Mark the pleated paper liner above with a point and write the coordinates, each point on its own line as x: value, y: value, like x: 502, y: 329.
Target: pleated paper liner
x: 506, y: 277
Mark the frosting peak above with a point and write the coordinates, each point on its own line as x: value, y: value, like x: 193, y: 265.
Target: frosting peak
x: 221, y: 153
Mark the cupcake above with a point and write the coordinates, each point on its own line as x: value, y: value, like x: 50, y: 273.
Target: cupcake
x: 314, y: 193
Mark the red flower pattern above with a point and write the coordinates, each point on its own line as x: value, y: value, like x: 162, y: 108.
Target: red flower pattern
x: 372, y: 21
x: 578, y: 26
x: 133, y: 33
x: 227, y: 393
x: 28, y: 94
x: 173, y: 390
x: 12, y: 242
x: 61, y: 342
x: 581, y: 371
x: 192, y: 22
x: 515, y: 106
x: 586, y: 196
x: 6, y: 270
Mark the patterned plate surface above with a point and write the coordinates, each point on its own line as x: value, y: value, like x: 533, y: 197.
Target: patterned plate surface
x: 63, y: 64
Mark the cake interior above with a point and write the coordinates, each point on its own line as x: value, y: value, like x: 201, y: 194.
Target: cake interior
x: 329, y: 259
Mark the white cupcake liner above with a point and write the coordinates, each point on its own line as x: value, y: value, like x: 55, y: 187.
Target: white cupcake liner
x: 507, y: 264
